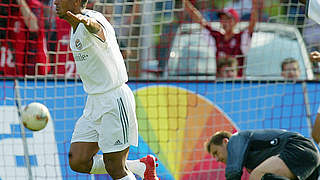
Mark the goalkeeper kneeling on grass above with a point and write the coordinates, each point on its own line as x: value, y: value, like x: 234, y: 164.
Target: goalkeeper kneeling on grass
x: 266, y: 154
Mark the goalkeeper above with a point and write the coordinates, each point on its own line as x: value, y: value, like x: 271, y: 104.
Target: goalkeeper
x: 266, y: 154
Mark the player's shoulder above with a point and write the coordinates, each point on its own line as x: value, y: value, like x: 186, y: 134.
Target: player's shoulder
x: 93, y: 13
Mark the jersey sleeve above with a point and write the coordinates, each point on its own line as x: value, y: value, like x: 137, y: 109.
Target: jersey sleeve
x: 102, y: 21
x: 237, y: 148
x: 312, y: 10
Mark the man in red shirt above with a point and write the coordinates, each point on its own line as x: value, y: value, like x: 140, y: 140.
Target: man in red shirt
x: 229, y: 42
x: 23, y: 49
x: 63, y: 59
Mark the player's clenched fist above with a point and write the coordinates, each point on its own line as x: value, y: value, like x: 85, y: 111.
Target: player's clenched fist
x: 315, y: 56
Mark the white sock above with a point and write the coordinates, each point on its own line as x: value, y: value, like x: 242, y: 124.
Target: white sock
x: 98, y: 166
x: 130, y: 176
x: 136, y: 167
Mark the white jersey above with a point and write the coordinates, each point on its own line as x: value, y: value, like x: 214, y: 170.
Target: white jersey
x: 313, y: 10
x: 100, y: 64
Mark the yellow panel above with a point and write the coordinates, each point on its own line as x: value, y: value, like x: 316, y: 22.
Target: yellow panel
x: 166, y: 108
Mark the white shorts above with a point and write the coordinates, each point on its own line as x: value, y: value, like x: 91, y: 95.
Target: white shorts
x: 110, y: 120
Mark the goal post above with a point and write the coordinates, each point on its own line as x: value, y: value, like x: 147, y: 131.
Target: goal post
x: 22, y: 128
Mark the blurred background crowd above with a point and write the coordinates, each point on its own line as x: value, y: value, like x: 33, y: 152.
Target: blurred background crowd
x: 34, y: 41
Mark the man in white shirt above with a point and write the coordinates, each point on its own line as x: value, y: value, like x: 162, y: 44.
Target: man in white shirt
x: 313, y: 12
x: 108, y: 122
x: 312, y: 9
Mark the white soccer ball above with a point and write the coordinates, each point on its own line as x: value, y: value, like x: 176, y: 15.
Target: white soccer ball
x: 35, y: 116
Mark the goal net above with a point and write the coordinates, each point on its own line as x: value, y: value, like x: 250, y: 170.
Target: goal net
x: 181, y: 100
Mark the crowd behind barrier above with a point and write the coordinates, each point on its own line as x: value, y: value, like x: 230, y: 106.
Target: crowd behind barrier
x: 34, y: 41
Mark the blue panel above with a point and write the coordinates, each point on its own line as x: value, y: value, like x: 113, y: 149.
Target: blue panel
x: 15, y: 132
x: 20, y: 161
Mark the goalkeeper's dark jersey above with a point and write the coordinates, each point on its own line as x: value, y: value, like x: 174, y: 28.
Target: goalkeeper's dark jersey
x: 250, y: 148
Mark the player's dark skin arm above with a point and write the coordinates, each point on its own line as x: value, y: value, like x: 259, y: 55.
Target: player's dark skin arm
x: 91, y: 24
x: 316, y: 129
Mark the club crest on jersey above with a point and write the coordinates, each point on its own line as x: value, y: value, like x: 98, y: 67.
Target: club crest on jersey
x: 78, y: 44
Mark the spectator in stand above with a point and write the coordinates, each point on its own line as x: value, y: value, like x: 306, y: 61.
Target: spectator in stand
x: 23, y: 47
x: 227, y: 67
x: 312, y: 11
x: 290, y: 69
x: 62, y: 58
x: 228, y: 42
x: 311, y: 30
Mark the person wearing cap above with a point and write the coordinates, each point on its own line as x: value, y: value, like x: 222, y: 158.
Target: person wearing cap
x: 228, y: 42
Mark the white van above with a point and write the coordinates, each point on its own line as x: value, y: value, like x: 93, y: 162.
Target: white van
x: 192, y: 52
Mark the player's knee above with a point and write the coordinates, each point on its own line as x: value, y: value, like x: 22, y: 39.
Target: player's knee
x: 115, y: 169
x: 270, y: 176
x: 73, y: 162
x: 77, y: 164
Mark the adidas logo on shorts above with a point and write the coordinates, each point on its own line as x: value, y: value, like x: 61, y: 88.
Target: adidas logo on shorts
x: 118, y: 142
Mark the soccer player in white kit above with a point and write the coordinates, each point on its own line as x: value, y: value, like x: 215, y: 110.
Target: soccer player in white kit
x: 108, y: 122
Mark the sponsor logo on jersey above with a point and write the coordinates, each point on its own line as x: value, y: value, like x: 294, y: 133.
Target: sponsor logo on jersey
x: 80, y: 57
